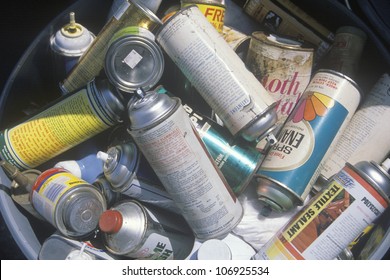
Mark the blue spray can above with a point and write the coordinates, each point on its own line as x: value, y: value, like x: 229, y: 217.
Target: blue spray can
x: 293, y: 164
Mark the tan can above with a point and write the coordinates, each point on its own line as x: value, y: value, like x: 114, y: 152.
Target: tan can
x: 283, y: 66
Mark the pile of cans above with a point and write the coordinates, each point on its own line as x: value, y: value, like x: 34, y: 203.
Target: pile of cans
x: 196, y: 114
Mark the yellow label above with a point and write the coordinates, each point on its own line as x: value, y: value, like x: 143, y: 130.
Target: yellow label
x: 214, y: 14
x: 55, y: 130
x: 303, y: 220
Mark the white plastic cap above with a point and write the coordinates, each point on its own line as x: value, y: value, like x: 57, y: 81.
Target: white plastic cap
x: 78, y: 255
x: 214, y: 249
x: 70, y: 165
x: 386, y: 165
x: 102, y: 156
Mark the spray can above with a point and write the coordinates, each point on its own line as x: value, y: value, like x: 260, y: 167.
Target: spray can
x: 354, y: 198
x: 293, y: 164
x: 130, y: 13
x: 69, y: 203
x: 63, y: 125
x: 213, y: 10
x: 133, y: 230
x: 133, y: 59
x: 129, y: 174
x: 59, y: 247
x: 165, y: 135
x: 283, y: 66
x: 152, y: 5
x: 68, y: 44
x: 218, y: 74
x: 367, y: 134
x: 238, y: 163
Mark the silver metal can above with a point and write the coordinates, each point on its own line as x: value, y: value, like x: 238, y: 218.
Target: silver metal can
x: 218, y: 74
x: 69, y: 203
x: 165, y: 135
x: 133, y: 59
x: 133, y: 230
x: 354, y: 198
x: 105, y: 188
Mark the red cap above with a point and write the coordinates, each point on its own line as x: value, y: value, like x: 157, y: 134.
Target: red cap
x: 110, y: 221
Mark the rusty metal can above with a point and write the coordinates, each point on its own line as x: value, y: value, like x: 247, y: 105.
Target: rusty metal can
x: 165, y: 135
x: 130, y: 13
x: 283, y: 66
x: 292, y: 165
x: 134, y: 59
x: 69, y: 203
x: 354, y: 198
x: 218, y: 74
x: 137, y: 231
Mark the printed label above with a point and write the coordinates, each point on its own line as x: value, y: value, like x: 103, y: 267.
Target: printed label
x: 48, y: 191
x: 214, y: 69
x: 330, y: 222
x: 317, y: 120
x: 214, y: 14
x: 182, y: 163
x: 55, y: 130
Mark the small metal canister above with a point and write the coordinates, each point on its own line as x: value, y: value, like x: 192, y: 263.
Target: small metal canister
x: 133, y: 59
x: 165, y: 135
x: 218, y: 74
x: 283, y: 66
x: 69, y: 203
x: 128, y: 173
x: 133, y: 230
x: 68, y: 44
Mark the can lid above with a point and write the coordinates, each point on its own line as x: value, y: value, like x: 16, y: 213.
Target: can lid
x: 111, y: 221
x: 82, y: 211
x: 134, y: 61
x: 214, y: 249
x: 150, y: 109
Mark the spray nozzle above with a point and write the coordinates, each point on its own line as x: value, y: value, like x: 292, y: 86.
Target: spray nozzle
x: 386, y: 165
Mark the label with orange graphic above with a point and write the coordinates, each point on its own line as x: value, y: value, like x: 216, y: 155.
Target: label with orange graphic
x: 316, y: 122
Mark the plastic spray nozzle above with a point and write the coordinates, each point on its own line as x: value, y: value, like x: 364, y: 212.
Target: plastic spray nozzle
x: 102, y: 156
x: 140, y: 93
x: 14, y: 173
x: 72, y: 28
x: 386, y: 165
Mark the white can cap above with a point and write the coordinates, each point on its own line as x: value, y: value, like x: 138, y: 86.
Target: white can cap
x: 214, y: 249
x: 78, y: 255
x: 71, y: 165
